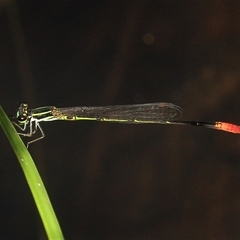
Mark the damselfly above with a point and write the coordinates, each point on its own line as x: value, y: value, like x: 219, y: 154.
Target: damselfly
x: 158, y: 113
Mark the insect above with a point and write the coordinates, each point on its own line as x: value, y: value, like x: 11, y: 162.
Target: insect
x: 158, y: 113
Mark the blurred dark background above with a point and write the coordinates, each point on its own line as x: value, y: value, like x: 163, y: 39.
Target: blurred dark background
x: 113, y: 181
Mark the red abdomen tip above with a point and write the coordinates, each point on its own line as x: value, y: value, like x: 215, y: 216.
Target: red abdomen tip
x: 228, y: 127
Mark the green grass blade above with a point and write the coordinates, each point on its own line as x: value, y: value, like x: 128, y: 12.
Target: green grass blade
x: 33, y: 178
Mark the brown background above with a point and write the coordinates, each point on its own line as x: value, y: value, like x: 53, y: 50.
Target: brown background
x: 113, y: 181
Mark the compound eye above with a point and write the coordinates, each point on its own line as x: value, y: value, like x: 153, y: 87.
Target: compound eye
x: 22, y: 118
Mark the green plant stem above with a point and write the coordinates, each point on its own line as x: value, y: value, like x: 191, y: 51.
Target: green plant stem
x: 33, y: 178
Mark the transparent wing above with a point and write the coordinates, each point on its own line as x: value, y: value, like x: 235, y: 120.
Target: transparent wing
x: 137, y: 113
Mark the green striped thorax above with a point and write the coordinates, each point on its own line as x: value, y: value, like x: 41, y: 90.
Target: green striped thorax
x: 24, y: 114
